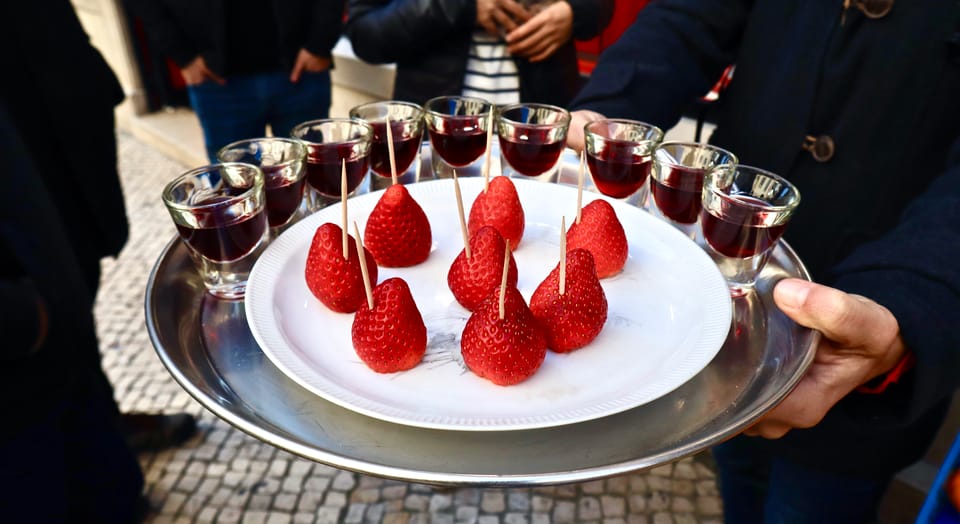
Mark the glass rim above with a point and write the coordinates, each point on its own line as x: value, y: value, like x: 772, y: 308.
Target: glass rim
x: 258, y: 184
x: 658, y: 138
x: 295, y: 142
x: 386, y: 103
x: 766, y: 206
x: 696, y: 145
x: 509, y: 107
x: 310, y: 124
x: 428, y: 103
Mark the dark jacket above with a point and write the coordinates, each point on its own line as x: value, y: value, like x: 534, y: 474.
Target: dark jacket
x: 881, y: 218
x: 429, y: 41
x: 186, y: 29
x: 64, y: 211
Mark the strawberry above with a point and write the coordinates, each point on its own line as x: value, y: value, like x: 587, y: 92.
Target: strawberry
x: 571, y: 320
x: 335, y: 281
x: 498, y: 206
x: 504, y: 351
x: 472, y: 279
x: 398, y: 232
x: 600, y: 232
x: 390, y: 337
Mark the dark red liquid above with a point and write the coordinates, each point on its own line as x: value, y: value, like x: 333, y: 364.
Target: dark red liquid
x: 740, y: 233
x: 461, y: 141
x: 532, y: 157
x: 404, y: 149
x: 617, y: 171
x: 221, y: 239
x: 282, y: 199
x: 678, y: 197
x: 323, y: 169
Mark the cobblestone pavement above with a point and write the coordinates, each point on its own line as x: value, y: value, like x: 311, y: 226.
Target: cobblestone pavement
x: 223, y: 475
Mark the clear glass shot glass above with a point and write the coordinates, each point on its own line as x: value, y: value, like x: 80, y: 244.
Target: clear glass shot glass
x: 532, y: 137
x: 329, y: 142
x: 457, y: 126
x: 406, y: 128
x: 619, y: 153
x: 220, y: 212
x: 676, y: 182
x: 745, y: 212
x: 283, y: 162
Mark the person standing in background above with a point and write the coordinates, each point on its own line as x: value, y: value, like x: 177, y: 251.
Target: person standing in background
x: 501, y: 50
x: 66, y: 452
x: 248, y: 64
x: 856, y: 104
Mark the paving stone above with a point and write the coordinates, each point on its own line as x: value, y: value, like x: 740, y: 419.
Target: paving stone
x: 710, y: 506
x: 292, y: 485
x: 329, y: 515
x: 374, y: 513
x: 254, y: 516
x: 618, y: 485
x: 207, y: 514
x: 335, y: 499
x: 518, y: 500
x: 188, y: 484
x: 466, y: 513
x: 568, y: 490
x: 440, y: 502
x: 301, y: 468
x: 565, y: 511
x: 304, y: 518
x: 174, y: 502
x: 685, y: 470
x: 279, y: 518
x: 516, y: 518
x: 285, y: 501
x: 260, y: 502
x: 662, y: 518
x: 468, y: 496
x: 638, y: 484
x: 658, y: 501
x: 344, y: 480
x: 355, y: 512
x: 396, y: 518
x: 682, y: 487
x: 637, y: 503
x: 365, y: 496
x: 278, y: 468
x: 684, y: 518
x: 540, y: 518
x: 229, y: 515
x: 637, y: 519
x: 317, y: 484
x: 493, y: 501
x: 593, y: 488
x: 613, y: 506
x: 415, y: 502
x: 662, y: 471
x: 393, y: 492
x: 486, y: 519
x: 589, y: 508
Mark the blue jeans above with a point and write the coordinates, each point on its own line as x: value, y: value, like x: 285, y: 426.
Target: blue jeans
x: 758, y: 486
x: 244, y: 106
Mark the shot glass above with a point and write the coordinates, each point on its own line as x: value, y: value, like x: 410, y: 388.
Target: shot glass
x: 329, y: 142
x: 406, y: 128
x: 532, y: 136
x: 676, y: 182
x: 282, y: 161
x: 457, y: 126
x: 745, y: 212
x: 220, y: 213
x: 619, y: 153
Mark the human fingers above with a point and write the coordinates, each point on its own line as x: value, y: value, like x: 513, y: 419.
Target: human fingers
x: 850, y: 321
x: 207, y: 73
x: 578, y: 119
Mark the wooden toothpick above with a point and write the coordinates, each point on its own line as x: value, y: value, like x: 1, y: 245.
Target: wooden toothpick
x: 343, y: 206
x: 563, y: 255
x: 367, y: 286
x: 463, y: 220
x: 393, y: 160
x: 580, y: 170
x: 503, y: 280
x: 487, y: 153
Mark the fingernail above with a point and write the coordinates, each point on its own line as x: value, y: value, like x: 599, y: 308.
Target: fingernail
x: 791, y: 292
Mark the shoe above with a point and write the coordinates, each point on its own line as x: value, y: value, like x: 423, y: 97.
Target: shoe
x: 154, y: 432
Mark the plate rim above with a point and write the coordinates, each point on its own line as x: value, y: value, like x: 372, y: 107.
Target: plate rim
x: 284, y: 245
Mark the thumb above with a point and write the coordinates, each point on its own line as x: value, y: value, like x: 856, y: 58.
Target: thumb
x: 849, y: 320
x: 297, y: 71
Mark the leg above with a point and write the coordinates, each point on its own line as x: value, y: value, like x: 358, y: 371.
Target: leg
x: 803, y: 496
x: 292, y: 104
x: 743, y: 465
x: 104, y: 478
x: 227, y: 113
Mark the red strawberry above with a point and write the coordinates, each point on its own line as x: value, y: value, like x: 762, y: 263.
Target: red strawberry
x: 335, y: 281
x: 600, y: 232
x: 574, y: 319
x: 504, y: 351
x: 472, y: 279
x: 398, y: 232
x: 390, y: 337
x: 498, y: 206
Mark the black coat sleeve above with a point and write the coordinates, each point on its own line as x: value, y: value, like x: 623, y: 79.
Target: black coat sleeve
x: 590, y: 17
x: 913, y: 271
x: 385, y: 31
x: 671, y: 55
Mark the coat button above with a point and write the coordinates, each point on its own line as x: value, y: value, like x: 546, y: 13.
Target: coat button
x: 820, y: 147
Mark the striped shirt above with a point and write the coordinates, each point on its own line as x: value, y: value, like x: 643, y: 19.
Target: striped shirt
x: 491, y: 72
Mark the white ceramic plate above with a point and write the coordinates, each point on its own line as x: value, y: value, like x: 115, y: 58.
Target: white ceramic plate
x: 669, y: 313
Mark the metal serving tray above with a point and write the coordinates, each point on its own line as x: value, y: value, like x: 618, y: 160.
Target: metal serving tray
x: 207, y: 346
